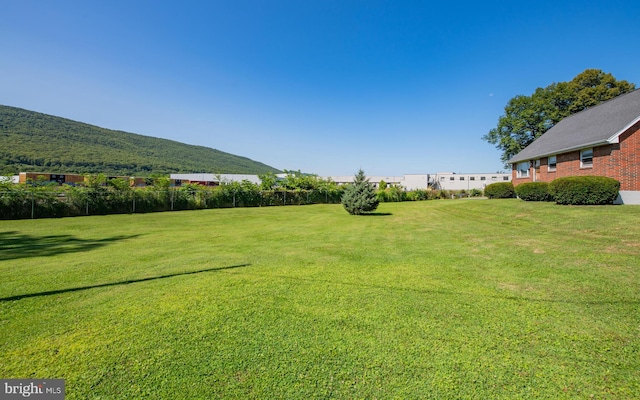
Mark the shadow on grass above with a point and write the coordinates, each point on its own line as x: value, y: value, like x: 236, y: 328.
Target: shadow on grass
x: 152, y: 278
x: 14, y: 245
x: 376, y: 214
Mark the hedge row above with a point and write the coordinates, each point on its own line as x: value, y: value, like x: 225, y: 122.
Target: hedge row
x: 575, y: 190
x: 584, y: 190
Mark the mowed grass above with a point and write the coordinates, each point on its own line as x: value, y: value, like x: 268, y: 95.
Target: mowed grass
x: 437, y: 299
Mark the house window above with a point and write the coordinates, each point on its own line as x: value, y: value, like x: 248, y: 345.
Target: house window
x: 522, y: 169
x: 483, y: 178
x: 494, y: 178
x: 462, y: 178
x: 442, y: 179
x: 586, y: 158
x: 551, y: 165
x: 505, y: 178
x: 472, y: 178
x: 452, y: 178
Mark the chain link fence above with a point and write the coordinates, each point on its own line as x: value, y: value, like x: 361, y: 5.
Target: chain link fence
x: 46, y: 202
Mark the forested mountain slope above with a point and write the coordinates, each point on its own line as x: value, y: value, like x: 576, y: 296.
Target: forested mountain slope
x: 31, y: 141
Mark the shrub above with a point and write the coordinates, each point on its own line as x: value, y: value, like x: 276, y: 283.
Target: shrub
x: 584, y: 190
x: 360, y: 196
x: 475, y: 193
x: 500, y: 190
x: 419, y: 194
x: 534, y: 191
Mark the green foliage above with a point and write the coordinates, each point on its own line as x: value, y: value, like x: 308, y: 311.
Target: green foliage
x: 420, y: 194
x: 298, y: 180
x: 116, y: 197
x: 500, y: 190
x: 268, y: 181
x: 391, y: 193
x: 360, y: 196
x: 534, y: 191
x: 584, y: 190
x: 527, y: 117
x: 475, y: 193
x: 31, y: 141
x: 120, y: 184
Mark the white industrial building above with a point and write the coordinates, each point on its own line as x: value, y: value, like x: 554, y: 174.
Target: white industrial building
x: 456, y: 181
x: 408, y: 182
x: 439, y: 181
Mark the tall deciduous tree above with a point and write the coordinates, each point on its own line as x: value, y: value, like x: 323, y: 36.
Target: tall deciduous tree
x: 527, y: 117
x: 360, y: 196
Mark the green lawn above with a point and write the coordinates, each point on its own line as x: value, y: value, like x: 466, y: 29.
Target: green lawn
x: 437, y: 299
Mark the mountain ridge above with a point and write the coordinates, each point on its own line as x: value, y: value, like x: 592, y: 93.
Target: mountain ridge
x: 31, y: 141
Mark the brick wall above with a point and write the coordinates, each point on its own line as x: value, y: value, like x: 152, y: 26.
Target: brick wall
x: 620, y: 161
x: 629, y: 159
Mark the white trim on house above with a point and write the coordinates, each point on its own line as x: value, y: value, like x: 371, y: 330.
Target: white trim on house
x: 615, y: 138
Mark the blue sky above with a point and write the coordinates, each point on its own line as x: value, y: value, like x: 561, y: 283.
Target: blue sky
x: 326, y: 87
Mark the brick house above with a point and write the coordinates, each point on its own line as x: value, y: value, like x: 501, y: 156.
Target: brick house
x: 603, y: 140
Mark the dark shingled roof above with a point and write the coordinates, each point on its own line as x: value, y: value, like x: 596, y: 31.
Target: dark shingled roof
x: 599, y: 125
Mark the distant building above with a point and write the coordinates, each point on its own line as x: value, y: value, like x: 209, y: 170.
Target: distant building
x: 79, y: 180
x: 454, y: 181
x: 214, y: 179
x: 440, y: 181
x: 47, y: 177
x: 375, y: 180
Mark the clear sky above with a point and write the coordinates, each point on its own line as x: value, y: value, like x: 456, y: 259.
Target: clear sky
x: 326, y: 87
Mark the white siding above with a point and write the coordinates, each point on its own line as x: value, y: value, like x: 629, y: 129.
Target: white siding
x: 453, y: 181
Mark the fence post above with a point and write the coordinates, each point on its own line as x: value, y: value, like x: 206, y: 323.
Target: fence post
x: 33, y: 206
x: 134, y: 200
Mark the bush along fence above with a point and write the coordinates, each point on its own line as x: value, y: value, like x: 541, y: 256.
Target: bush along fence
x: 51, y: 201
x: 64, y: 201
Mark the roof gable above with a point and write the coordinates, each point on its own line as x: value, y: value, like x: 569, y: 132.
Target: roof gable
x: 598, y: 125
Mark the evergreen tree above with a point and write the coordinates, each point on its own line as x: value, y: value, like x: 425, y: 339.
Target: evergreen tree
x: 360, y: 196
